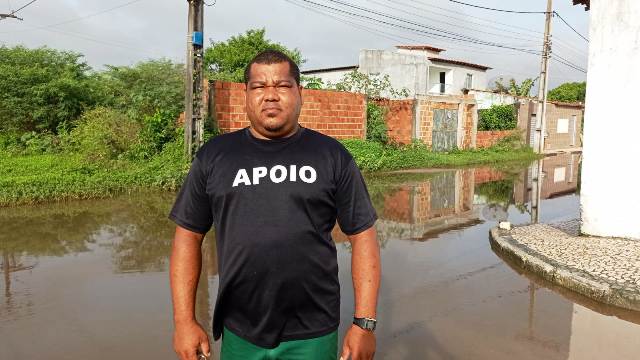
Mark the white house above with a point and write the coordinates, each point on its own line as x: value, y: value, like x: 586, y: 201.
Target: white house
x: 418, y: 68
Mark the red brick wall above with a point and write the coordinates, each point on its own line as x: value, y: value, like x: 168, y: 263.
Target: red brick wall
x: 399, y: 119
x: 485, y: 139
x: 338, y: 114
x: 487, y: 174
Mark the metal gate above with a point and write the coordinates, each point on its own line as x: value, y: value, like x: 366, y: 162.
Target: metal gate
x: 445, y: 130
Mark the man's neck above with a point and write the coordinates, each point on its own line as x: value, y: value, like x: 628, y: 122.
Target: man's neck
x: 258, y: 135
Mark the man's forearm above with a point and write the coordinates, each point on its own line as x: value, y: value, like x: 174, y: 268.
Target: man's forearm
x: 184, y: 272
x: 365, y: 271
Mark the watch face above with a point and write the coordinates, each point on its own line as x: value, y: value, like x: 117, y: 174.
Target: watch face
x: 365, y: 323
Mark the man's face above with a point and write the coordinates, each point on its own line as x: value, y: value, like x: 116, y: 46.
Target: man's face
x: 273, y: 99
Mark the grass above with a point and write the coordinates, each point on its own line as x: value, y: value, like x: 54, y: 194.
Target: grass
x: 373, y: 157
x: 54, y: 177
x: 33, y: 179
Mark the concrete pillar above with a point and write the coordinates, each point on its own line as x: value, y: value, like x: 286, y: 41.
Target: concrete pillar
x: 609, y: 196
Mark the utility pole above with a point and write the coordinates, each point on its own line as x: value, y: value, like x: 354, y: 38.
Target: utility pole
x: 541, y: 117
x: 544, y: 80
x: 194, y: 107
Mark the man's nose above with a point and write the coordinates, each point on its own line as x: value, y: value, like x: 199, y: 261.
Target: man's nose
x: 271, y: 94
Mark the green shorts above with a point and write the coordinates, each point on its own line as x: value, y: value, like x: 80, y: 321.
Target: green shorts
x: 320, y: 348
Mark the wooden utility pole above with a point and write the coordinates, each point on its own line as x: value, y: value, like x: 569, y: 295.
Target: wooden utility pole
x: 541, y: 117
x: 194, y: 106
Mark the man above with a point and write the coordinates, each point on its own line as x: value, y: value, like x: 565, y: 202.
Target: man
x: 274, y: 191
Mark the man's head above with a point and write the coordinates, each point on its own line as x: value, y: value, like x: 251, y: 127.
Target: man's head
x: 274, y: 94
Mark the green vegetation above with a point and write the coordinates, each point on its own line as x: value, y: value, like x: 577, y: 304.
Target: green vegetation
x: 523, y: 89
x: 373, y: 156
x: 68, y: 132
x: 226, y: 60
x: 569, y: 92
x: 497, y: 117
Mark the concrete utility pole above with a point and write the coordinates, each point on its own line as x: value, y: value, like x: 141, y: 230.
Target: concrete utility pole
x: 194, y: 107
x: 544, y: 80
x: 541, y: 118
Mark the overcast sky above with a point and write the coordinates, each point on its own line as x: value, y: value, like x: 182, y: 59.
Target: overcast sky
x: 145, y: 29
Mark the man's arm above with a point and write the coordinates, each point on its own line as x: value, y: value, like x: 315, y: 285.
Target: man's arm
x: 184, y: 272
x: 360, y: 344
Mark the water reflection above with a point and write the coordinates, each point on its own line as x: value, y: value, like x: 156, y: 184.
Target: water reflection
x: 90, y: 278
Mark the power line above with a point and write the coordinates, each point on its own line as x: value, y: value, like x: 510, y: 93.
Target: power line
x: 448, y: 34
x: 568, y: 63
x: 490, y: 22
x: 23, y: 6
x: 387, y: 35
x: 451, y: 24
x: 570, y: 27
x: 500, y: 10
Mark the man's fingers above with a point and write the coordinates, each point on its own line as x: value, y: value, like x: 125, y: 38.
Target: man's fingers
x: 205, y: 347
x: 346, y: 352
x: 188, y: 355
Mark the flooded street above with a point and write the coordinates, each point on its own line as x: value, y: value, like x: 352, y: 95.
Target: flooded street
x: 89, y: 279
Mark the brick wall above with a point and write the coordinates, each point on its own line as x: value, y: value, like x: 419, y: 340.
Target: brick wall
x: 487, y: 174
x: 399, y: 119
x: 485, y: 139
x: 338, y: 114
x: 465, y: 104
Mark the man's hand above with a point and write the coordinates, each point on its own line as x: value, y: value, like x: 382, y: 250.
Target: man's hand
x: 358, y: 344
x: 188, y: 338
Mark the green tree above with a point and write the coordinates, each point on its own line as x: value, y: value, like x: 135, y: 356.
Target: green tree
x: 374, y: 86
x: 569, y: 92
x: 523, y: 89
x: 226, y: 60
x: 497, y: 117
x: 42, y: 88
x: 143, y: 89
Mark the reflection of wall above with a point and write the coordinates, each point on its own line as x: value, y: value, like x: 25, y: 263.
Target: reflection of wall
x: 597, y: 336
x: 424, y: 209
x: 560, y: 177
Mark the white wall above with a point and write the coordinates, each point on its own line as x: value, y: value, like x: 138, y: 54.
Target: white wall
x: 405, y: 71
x: 609, y: 196
x: 332, y: 77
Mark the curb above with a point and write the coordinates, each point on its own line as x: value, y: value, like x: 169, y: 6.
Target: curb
x: 560, y: 274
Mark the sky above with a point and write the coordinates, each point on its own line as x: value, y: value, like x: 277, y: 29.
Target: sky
x: 123, y: 32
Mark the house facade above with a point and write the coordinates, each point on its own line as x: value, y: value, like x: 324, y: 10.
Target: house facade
x: 418, y: 68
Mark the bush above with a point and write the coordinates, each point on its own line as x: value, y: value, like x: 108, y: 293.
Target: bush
x: 376, y: 125
x: 41, y: 88
x: 103, y: 134
x: 569, y: 92
x: 142, y: 90
x: 497, y: 117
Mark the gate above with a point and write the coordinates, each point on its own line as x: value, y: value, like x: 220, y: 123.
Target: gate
x: 445, y: 130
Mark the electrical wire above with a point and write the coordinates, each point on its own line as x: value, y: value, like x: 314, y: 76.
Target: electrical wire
x: 490, y: 22
x: 500, y: 10
x: 23, y: 6
x: 570, y: 27
x: 455, y: 37
x: 453, y: 24
x: 395, y: 37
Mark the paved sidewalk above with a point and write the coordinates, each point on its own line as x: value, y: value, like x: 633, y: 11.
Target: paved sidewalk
x: 604, y: 269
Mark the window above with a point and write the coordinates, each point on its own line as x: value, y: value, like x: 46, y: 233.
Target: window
x: 468, y: 82
x: 443, y: 79
x: 563, y: 126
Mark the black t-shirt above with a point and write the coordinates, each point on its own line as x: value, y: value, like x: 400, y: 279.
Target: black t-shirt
x: 273, y: 204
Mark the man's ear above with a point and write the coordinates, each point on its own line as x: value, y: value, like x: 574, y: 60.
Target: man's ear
x: 301, y: 88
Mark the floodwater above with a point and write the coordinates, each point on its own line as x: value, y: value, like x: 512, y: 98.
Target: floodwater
x: 88, y: 279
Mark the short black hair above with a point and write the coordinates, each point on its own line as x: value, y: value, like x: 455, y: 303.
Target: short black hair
x: 273, y: 57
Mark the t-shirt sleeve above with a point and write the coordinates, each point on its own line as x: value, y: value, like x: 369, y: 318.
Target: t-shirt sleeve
x: 355, y: 210
x: 192, y: 208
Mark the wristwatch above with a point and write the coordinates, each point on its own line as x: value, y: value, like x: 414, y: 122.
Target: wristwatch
x: 368, y: 324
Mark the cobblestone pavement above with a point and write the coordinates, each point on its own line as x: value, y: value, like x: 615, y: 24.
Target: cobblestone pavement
x: 606, y: 269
